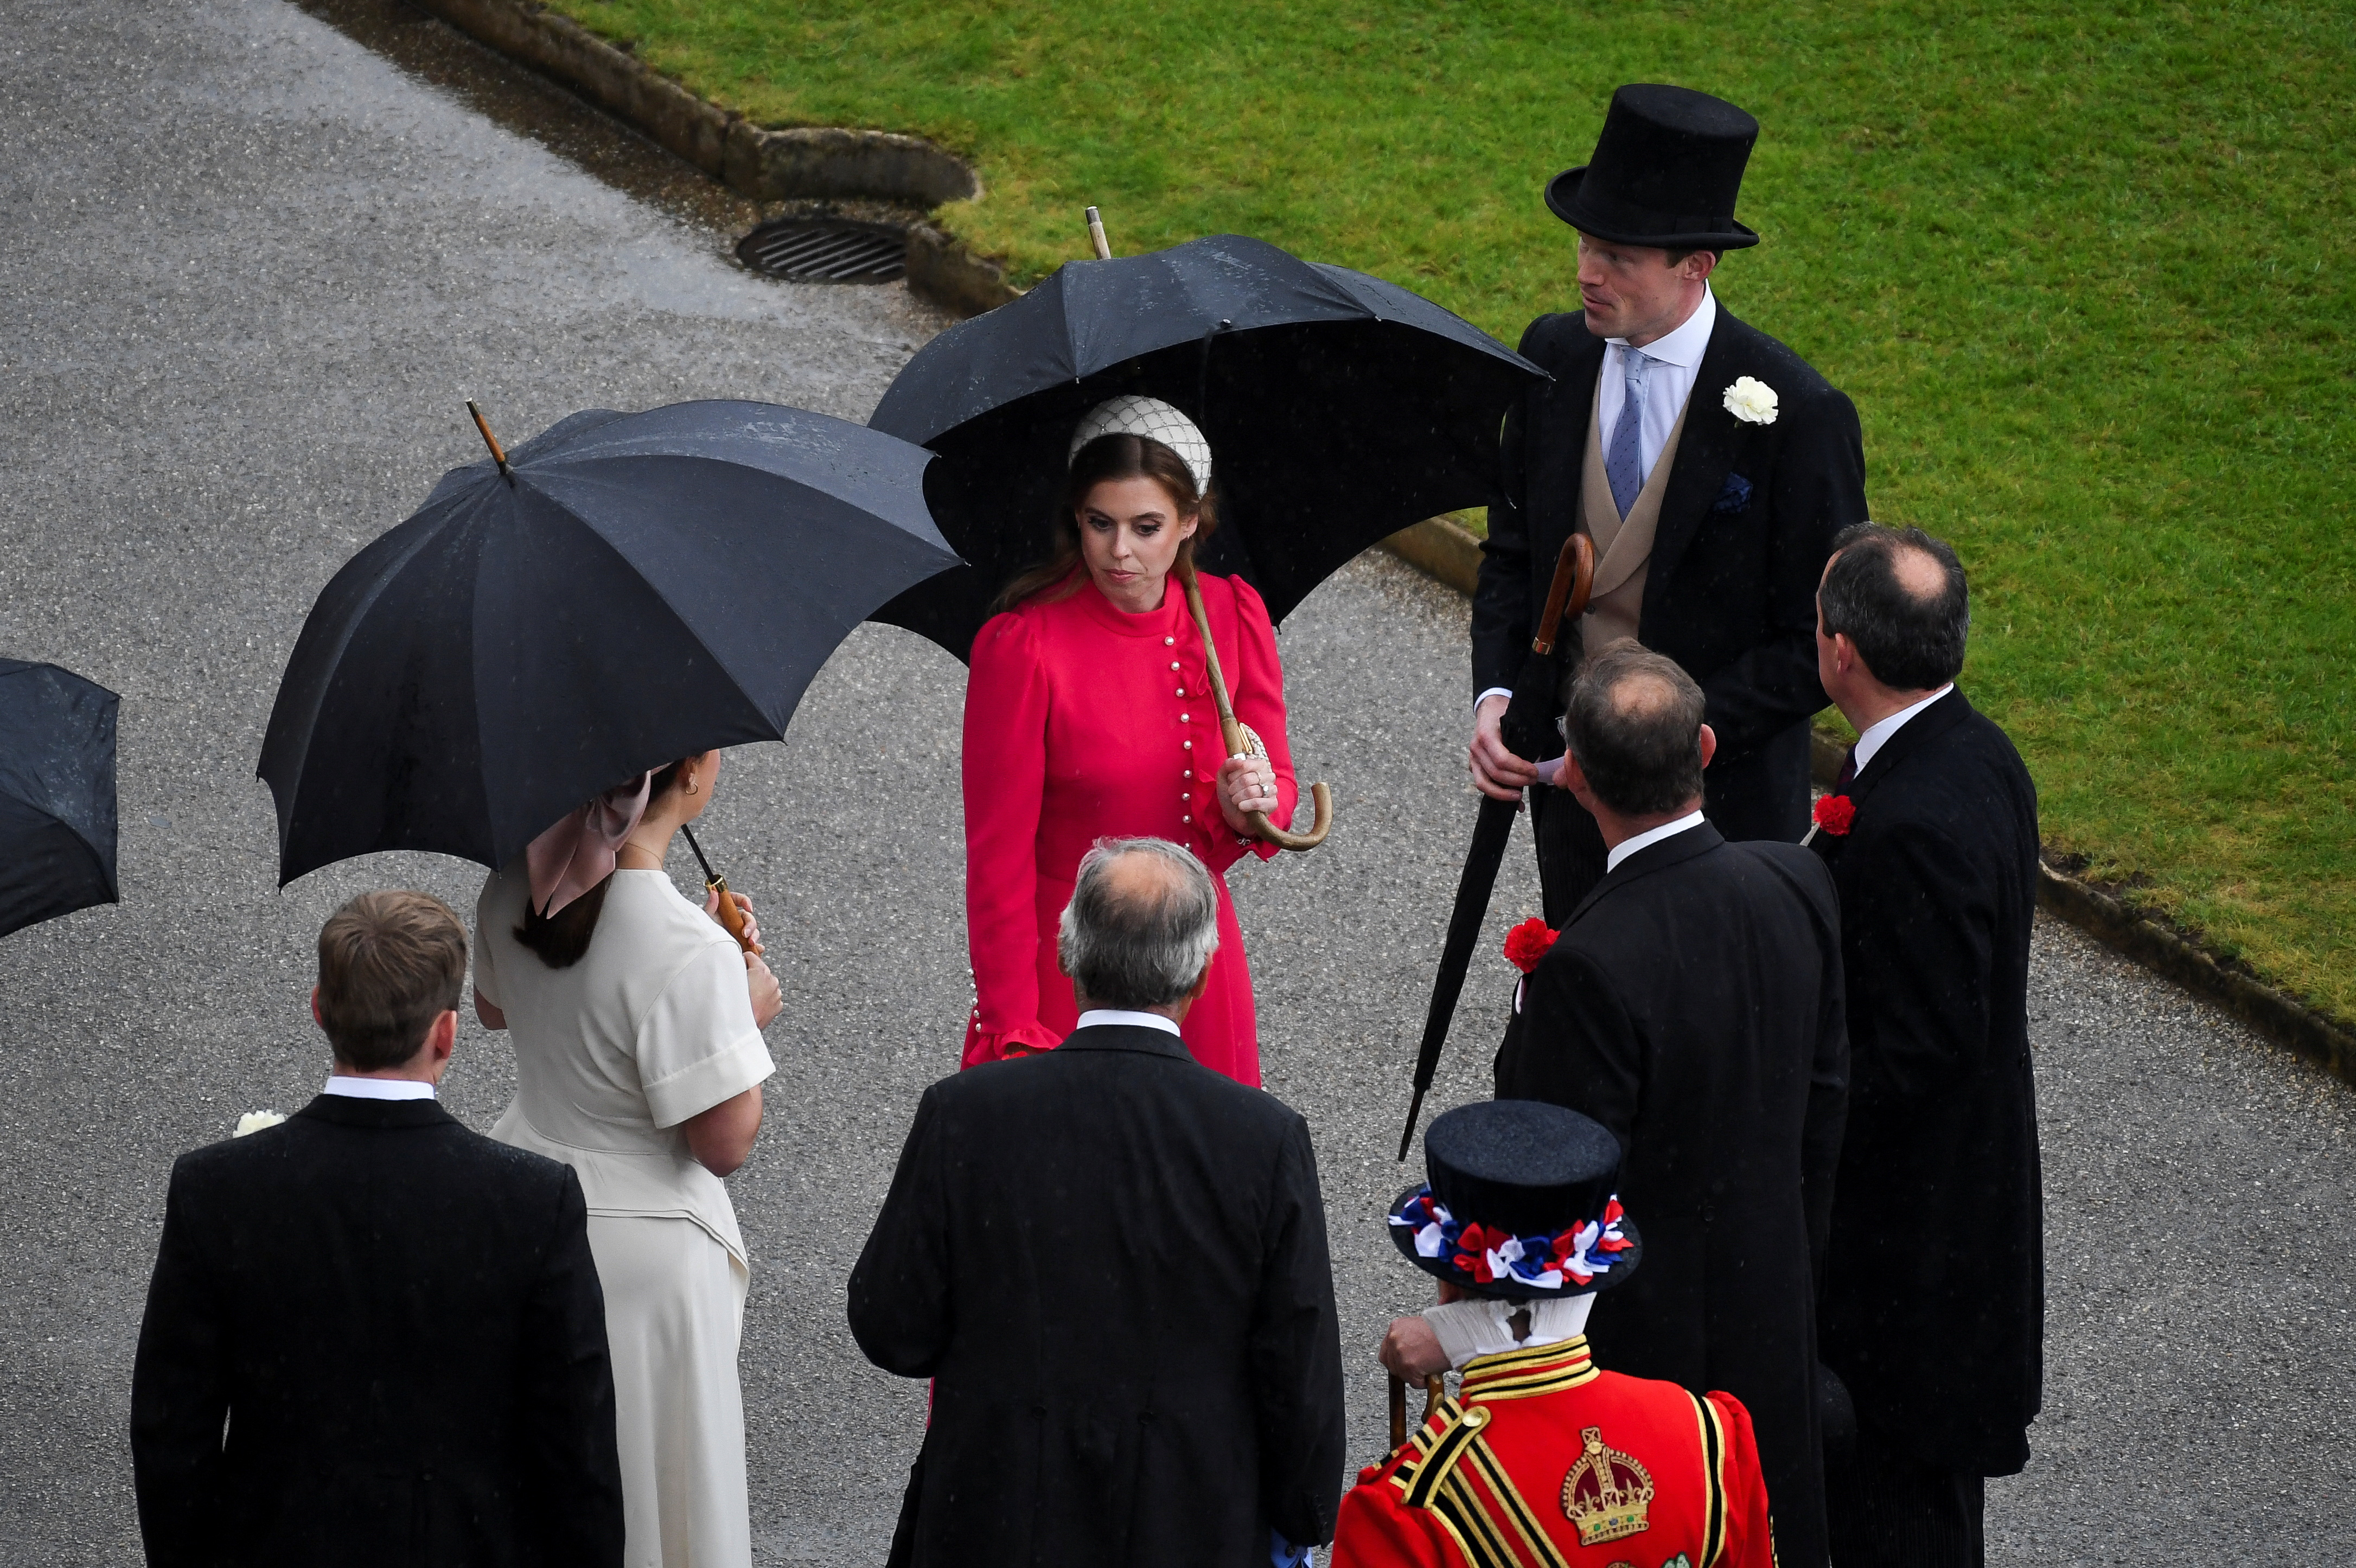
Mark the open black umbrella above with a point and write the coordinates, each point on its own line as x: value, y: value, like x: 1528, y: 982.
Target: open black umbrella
x: 621, y: 590
x: 1340, y: 409
x: 56, y: 792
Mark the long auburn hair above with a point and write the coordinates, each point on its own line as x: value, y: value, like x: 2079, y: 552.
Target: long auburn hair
x: 1113, y: 457
x: 559, y: 940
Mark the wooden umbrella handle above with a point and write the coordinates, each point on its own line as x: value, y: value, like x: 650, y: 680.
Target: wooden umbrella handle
x: 1399, y: 1412
x: 1567, y: 596
x: 1232, y: 734
x: 731, y: 918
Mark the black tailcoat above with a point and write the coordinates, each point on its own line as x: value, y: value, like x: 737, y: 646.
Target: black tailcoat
x: 1746, y: 524
x: 1112, y: 1263
x: 1693, y: 1006
x: 1935, y: 1296
x: 399, y: 1321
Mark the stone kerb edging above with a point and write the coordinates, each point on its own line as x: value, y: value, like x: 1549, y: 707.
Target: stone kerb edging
x: 824, y: 163
x: 2277, y: 1015
x: 820, y: 161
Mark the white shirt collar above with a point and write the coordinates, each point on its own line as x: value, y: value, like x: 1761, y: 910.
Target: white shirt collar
x: 1686, y: 345
x: 1877, y: 735
x: 381, y: 1088
x: 1650, y: 836
x: 1114, y: 1017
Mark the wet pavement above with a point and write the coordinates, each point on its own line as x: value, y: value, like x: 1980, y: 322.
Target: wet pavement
x: 259, y: 255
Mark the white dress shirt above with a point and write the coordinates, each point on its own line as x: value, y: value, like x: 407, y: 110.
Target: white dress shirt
x: 380, y: 1088
x: 1877, y: 735
x: 1114, y: 1017
x: 1650, y: 836
x: 1668, y: 381
x: 1668, y: 385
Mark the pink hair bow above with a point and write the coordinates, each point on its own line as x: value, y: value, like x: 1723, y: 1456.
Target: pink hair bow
x: 577, y: 853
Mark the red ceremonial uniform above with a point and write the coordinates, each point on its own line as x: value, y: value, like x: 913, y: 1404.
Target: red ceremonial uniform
x: 1543, y: 1460
x: 1084, y: 722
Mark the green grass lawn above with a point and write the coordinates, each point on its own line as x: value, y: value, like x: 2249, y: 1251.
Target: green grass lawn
x: 2085, y: 269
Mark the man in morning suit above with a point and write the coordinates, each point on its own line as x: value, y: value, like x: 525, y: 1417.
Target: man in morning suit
x: 374, y: 1336
x: 1543, y: 1460
x: 1933, y: 1307
x: 1692, y: 1004
x: 1708, y: 463
x: 1111, y: 1263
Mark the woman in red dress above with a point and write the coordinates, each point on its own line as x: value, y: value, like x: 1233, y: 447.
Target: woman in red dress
x: 1088, y: 715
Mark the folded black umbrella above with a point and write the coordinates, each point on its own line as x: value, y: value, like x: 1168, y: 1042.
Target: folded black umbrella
x: 56, y: 792
x: 622, y: 591
x: 1339, y: 408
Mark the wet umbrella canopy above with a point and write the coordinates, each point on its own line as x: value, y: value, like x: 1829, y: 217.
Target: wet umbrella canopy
x: 622, y: 591
x: 1340, y: 409
x: 57, y: 793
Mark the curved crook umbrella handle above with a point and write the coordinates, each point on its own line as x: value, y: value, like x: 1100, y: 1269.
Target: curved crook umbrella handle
x: 1567, y: 596
x: 1232, y: 735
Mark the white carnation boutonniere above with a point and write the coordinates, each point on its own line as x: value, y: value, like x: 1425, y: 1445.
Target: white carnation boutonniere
x: 1751, y: 401
x: 254, y: 1121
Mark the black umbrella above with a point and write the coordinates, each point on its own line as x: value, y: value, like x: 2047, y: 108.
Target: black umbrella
x: 1340, y: 409
x: 621, y: 590
x: 1527, y: 729
x: 56, y: 792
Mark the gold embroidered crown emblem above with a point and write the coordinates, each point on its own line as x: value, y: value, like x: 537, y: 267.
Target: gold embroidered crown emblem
x: 1607, y: 1494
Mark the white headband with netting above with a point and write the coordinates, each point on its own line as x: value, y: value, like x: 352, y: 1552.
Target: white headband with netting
x: 1154, y: 420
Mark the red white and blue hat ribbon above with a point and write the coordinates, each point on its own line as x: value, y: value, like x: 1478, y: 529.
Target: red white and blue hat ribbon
x: 1570, y: 1259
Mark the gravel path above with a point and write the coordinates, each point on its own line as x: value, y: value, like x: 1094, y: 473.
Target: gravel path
x: 254, y: 265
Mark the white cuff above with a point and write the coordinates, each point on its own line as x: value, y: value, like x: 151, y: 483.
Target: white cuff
x: 724, y: 1075
x: 1493, y: 692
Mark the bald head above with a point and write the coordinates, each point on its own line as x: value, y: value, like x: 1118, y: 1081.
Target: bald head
x: 1634, y: 727
x: 1900, y: 595
x: 1141, y: 926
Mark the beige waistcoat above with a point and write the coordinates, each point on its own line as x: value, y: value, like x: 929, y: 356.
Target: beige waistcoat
x: 1624, y: 545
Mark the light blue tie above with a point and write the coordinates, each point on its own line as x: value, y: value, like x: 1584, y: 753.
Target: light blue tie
x: 1624, y: 465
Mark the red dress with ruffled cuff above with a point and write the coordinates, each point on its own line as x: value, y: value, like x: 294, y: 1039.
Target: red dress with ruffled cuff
x: 1077, y: 727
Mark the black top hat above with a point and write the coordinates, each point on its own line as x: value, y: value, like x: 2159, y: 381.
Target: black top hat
x: 1520, y: 1204
x: 1664, y: 172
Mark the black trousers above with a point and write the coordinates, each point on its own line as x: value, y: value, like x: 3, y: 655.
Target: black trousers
x: 1763, y: 795
x: 1884, y: 1509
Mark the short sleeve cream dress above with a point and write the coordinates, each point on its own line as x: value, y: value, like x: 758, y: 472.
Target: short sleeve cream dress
x: 652, y: 1026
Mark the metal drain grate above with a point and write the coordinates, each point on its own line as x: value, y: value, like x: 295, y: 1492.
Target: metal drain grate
x: 826, y: 250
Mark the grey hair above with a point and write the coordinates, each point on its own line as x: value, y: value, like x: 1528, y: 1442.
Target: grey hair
x: 1122, y: 950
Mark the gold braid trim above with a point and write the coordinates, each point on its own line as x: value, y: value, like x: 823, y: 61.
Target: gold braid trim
x: 1464, y: 1427
x: 1537, y: 1546
x: 1713, y: 1464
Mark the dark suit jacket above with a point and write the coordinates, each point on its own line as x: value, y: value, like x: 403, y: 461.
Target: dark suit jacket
x: 1693, y: 1006
x: 1934, y: 1301
x: 399, y: 1323
x: 1112, y: 1261
x: 1746, y: 524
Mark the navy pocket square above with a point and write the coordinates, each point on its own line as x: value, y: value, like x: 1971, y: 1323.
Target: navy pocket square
x: 1734, y: 495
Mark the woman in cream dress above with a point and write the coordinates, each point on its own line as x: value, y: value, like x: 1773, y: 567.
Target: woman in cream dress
x: 636, y: 1022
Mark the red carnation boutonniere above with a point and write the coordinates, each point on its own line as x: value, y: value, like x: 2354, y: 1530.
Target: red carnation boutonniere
x: 1529, y: 942
x: 1834, y: 815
